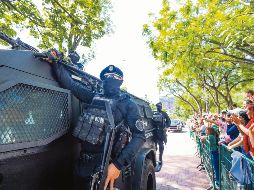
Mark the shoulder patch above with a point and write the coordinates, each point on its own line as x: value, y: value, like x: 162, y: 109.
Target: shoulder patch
x: 139, y: 125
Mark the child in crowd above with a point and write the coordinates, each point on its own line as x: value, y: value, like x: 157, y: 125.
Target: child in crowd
x: 220, y: 127
x: 212, y: 138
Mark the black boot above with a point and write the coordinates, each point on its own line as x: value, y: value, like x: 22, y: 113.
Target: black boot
x: 158, y: 166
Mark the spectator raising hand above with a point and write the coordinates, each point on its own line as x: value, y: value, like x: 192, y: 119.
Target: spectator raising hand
x: 235, y: 119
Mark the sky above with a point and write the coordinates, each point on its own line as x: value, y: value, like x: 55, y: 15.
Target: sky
x: 126, y: 48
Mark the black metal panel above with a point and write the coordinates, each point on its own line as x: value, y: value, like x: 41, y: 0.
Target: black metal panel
x: 31, y: 115
x: 46, y: 168
x: 24, y: 61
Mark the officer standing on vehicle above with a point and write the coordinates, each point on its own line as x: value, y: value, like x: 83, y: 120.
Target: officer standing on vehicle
x: 125, y: 110
x: 161, y: 121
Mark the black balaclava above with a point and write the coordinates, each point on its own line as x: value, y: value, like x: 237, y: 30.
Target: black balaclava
x: 111, y: 87
x: 159, y: 107
x: 112, y: 79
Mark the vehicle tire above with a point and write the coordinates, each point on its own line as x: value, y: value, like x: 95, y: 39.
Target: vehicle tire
x: 148, y: 181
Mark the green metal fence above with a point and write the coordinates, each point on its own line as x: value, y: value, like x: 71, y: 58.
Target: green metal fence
x: 204, y: 153
x: 199, y: 147
x: 227, y: 181
x: 207, y: 160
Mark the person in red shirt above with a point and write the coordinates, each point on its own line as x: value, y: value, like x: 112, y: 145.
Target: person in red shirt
x: 248, y: 130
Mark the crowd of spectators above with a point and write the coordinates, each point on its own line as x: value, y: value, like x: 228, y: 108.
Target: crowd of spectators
x: 234, y: 128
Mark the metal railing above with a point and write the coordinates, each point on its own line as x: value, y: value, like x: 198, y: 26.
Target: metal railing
x: 226, y: 181
x: 204, y: 153
x: 207, y: 160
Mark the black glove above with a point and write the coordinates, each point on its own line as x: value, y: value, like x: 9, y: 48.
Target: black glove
x: 54, y: 56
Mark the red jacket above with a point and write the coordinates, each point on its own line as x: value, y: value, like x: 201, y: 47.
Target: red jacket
x: 246, y: 140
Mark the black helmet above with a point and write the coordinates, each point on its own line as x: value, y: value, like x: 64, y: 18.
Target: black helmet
x: 111, y: 71
x: 74, y: 56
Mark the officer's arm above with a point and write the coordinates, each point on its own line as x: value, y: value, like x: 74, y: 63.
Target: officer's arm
x: 168, y: 121
x: 79, y: 90
x: 138, y: 138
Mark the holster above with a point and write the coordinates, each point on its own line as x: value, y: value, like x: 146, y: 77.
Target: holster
x: 89, y: 163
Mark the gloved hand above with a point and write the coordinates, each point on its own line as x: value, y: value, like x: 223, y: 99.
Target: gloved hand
x: 54, y: 56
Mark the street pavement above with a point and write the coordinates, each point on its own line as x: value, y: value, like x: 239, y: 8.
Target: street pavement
x: 179, y: 170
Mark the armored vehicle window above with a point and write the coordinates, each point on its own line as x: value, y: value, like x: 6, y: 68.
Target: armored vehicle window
x: 29, y: 113
x: 148, y: 112
x: 141, y: 111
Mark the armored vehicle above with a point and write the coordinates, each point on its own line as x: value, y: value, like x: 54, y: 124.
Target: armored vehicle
x: 37, y: 149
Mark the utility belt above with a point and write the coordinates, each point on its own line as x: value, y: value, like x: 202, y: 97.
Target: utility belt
x: 122, y: 138
x: 90, y: 157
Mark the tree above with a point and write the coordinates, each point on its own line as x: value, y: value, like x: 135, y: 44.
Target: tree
x: 205, y: 45
x: 62, y: 23
x: 12, y: 17
x: 211, y: 30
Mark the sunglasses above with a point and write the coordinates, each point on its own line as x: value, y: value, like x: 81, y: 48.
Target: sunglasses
x: 113, y: 76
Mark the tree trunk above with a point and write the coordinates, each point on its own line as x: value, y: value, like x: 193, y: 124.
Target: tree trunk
x: 192, y: 95
x: 186, y: 101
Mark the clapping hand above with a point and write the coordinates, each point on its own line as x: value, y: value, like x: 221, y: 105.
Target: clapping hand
x: 235, y: 119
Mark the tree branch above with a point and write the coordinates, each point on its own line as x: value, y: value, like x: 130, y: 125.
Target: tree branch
x: 192, y: 95
x: 228, y: 60
x: 245, y: 51
x: 241, y: 81
x: 232, y: 56
x: 186, y: 101
x: 70, y: 15
x: 11, y: 6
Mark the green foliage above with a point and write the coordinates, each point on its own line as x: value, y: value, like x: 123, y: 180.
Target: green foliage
x: 182, y: 111
x: 63, y: 24
x: 206, y: 50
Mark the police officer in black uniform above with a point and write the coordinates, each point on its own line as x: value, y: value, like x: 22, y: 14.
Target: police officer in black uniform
x: 127, y: 111
x: 161, y: 121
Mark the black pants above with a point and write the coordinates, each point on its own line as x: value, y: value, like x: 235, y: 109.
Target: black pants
x: 161, y: 148
x: 82, y: 183
x: 86, y: 166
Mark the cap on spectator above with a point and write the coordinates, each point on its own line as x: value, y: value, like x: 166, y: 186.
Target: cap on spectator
x: 111, y: 71
x: 224, y: 111
x: 235, y: 111
x: 229, y: 113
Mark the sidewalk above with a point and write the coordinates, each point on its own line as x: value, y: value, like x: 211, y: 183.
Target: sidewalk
x: 179, y: 170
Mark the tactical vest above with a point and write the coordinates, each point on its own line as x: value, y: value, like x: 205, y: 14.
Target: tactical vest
x: 158, y: 119
x: 93, y: 122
